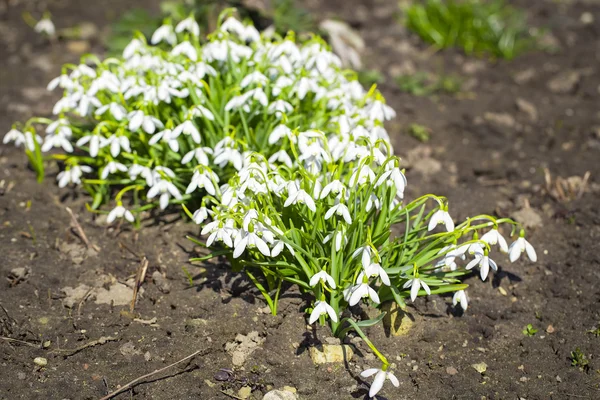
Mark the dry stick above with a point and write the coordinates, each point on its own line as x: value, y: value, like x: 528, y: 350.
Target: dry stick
x: 584, y: 183
x: 141, y: 275
x: 141, y: 378
x: 102, y: 340
x: 19, y: 341
x: 80, y: 231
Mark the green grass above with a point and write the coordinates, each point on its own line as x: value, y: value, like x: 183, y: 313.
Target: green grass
x: 425, y: 84
x: 479, y: 27
x: 419, y: 132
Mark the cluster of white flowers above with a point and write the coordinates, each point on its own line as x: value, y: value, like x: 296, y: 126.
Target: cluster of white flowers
x: 282, y: 154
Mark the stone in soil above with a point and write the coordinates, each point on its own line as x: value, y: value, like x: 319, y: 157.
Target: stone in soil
x: 280, y: 395
x: 331, y: 353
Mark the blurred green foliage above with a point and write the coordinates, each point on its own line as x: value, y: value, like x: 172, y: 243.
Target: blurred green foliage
x: 425, y: 84
x: 479, y: 27
x: 419, y: 132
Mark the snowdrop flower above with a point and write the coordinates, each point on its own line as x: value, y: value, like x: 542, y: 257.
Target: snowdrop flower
x: 395, y: 177
x: 111, y: 168
x: 283, y: 157
x: 166, y: 136
x: 138, y: 170
x: 322, y: 308
x: 187, y: 49
x: 164, y: 34
x: 199, y: 111
x: 116, y: 110
x: 138, y: 119
x: 299, y: 196
x: 278, y: 246
x: 45, y: 26
x: 460, y: 297
x: 199, y: 153
x: 57, y: 140
x: 72, y: 175
x: 280, y: 107
x: 322, y: 276
x: 254, y: 78
x: 166, y: 189
x: 304, y: 86
x: 189, y: 24
x: 334, y: 187
x: 204, y: 180
x: 415, y: 284
x: 94, y: 143
x: 219, y: 231
x: 20, y: 138
x: 381, y: 112
x: 373, y: 200
x: 188, y: 128
x: 227, y: 155
x: 359, y: 291
x: 119, y: 212
x: 441, y: 217
x: 485, y: 262
x: 250, y: 240
x: 362, y: 175
x: 116, y: 144
x: 133, y: 48
x: 339, y: 237
x: 379, y: 380
x: 366, y: 253
x: 519, y: 246
x: 339, y: 209
x: 373, y: 271
x: 200, y: 215
x: 494, y: 237
x: 279, y: 132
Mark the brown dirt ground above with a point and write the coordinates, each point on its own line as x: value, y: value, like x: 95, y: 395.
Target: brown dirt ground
x: 485, y: 154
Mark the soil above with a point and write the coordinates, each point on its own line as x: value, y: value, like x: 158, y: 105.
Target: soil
x: 489, y: 149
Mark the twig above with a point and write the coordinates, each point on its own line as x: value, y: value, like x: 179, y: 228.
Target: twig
x: 583, y: 186
x: 80, y: 231
x: 124, y: 246
x: 141, y: 378
x: 19, y: 341
x: 83, y: 299
x: 139, y: 279
x: 102, y: 340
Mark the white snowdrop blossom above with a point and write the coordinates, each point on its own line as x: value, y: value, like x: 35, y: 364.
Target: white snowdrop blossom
x: 441, y: 217
x: 322, y: 276
x: 493, y: 237
x: 45, y: 26
x: 484, y: 262
x: 415, y: 285
x: 380, y: 377
x: 375, y: 270
x: 119, y: 212
x: 460, y: 297
x: 322, y: 308
x: 165, y: 189
x: 360, y: 291
x: 72, y: 175
x: 518, y: 247
x: 190, y: 25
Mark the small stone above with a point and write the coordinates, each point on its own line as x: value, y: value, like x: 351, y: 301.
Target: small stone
x: 21, y: 376
x: 558, y: 378
x: 280, y: 395
x: 527, y: 108
x: 290, y: 389
x: 565, y: 82
x: 503, y: 119
x: 480, y: 367
x: 78, y: 46
x: 244, y: 392
x: 40, y: 361
x: 502, y: 291
x: 147, y: 356
x: 550, y: 329
x: 528, y: 217
x: 161, y: 282
x: 451, y: 371
x: 523, y: 379
x: 587, y: 18
x: 525, y: 76
x: 329, y: 353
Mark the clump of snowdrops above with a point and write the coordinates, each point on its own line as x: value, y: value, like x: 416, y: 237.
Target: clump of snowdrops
x: 282, y: 158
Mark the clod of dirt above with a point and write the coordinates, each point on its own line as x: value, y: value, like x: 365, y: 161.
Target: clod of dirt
x: 480, y: 367
x: 244, y: 392
x: 128, y: 350
x: 74, y: 296
x: 243, y: 346
x: 565, y: 82
x: 280, y: 395
x: 528, y: 108
x: 419, y: 159
x: 331, y: 353
x: 117, y: 294
x: 161, y: 282
x: 528, y: 217
x: 525, y: 76
x: 502, y: 119
x: 18, y: 275
x: 76, y: 251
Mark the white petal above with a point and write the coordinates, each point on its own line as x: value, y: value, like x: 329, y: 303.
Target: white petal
x: 377, y: 384
x: 369, y: 372
x: 414, y: 290
x: 530, y: 252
